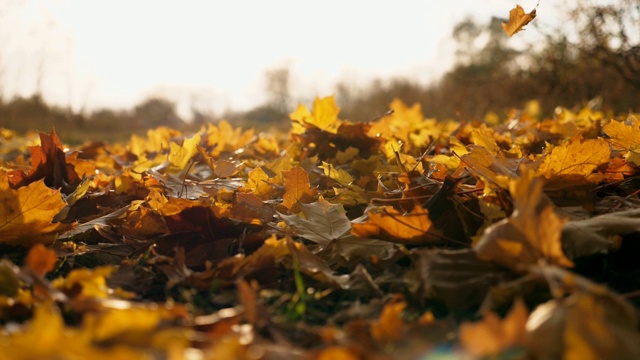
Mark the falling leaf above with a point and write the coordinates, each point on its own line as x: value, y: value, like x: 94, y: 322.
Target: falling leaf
x: 389, y: 224
x: 41, y: 260
x: 492, y: 335
x: 517, y: 20
x: 26, y: 214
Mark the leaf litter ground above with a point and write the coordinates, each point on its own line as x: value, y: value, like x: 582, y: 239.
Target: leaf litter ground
x: 404, y: 237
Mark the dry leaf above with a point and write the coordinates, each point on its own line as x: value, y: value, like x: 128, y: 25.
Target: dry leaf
x: 389, y: 224
x: 26, y: 214
x: 297, y: 188
x: 517, y: 20
x: 576, y: 158
x: 532, y: 232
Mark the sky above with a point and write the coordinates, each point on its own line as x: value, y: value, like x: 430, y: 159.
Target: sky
x: 212, y: 55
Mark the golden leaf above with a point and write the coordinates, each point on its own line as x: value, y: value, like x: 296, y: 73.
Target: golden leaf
x: 389, y: 224
x: 26, y: 213
x: 625, y: 137
x: 517, y: 20
x: 575, y: 157
x: 179, y: 156
x: 324, y: 116
x: 258, y: 183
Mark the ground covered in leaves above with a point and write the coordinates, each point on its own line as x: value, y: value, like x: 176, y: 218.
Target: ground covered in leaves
x: 404, y: 237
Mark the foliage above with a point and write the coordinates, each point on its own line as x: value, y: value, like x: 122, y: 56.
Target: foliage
x: 397, y: 238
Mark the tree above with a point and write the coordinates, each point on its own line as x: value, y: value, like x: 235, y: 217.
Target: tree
x: 156, y: 112
x: 277, y: 89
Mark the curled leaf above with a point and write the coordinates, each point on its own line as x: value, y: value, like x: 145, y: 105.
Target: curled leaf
x: 517, y: 20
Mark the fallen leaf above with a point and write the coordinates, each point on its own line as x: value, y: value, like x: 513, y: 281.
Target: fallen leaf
x: 517, y: 20
x: 390, y: 325
x: 389, y: 224
x: 532, y: 232
x: 574, y: 158
x: 583, y: 326
x: 179, y: 156
x: 48, y: 162
x: 41, y: 260
x: 26, y: 214
x: 625, y: 137
x: 297, y: 187
x: 320, y: 222
x: 492, y: 335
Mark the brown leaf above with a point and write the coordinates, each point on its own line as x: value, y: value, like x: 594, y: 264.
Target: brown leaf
x: 532, y: 232
x: 517, y: 20
x: 320, y: 222
x: 583, y: 326
x: 48, y: 162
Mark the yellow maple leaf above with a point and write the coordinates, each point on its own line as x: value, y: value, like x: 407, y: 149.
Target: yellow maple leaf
x: 324, y: 116
x: 575, y: 157
x: 179, y: 156
x: 625, y: 137
x: 339, y: 175
x: 517, y: 20
x: 26, y: 214
x: 258, y: 183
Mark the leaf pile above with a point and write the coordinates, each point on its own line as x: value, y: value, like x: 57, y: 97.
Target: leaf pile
x: 399, y: 238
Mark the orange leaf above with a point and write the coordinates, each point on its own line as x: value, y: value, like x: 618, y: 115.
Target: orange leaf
x: 296, y: 183
x: 490, y: 336
x: 389, y: 224
x: 390, y: 325
x: 26, y: 214
x: 41, y: 260
x: 517, y: 20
